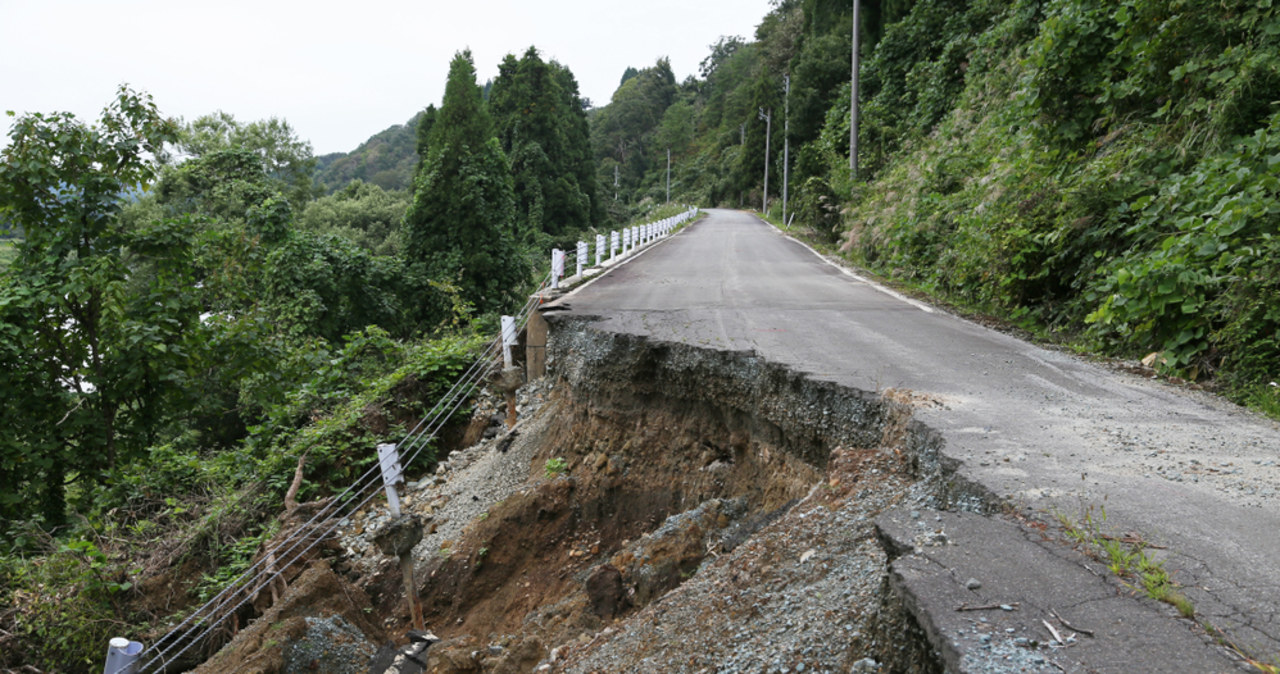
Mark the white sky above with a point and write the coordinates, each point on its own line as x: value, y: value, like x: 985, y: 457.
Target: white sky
x: 337, y: 71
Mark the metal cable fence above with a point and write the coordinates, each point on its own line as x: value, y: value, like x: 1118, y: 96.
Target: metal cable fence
x: 280, y: 556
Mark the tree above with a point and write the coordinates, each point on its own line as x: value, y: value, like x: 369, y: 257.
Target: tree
x: 362, y: 213
x: 624, y: 130
x: 94, y: 322
x: 286, y: 158
x: 542, y: 127
x: 460, y: 224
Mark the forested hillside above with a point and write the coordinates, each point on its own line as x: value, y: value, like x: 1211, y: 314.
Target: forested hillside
x: 1100, y: 174
x: 388, y: 159
x: 188, y: 328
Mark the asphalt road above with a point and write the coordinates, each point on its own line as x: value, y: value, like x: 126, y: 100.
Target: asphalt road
x: 1042, y: 428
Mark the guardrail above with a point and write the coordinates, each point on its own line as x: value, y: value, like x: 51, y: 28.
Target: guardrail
x: 131, y: 657
x: 629, y: 240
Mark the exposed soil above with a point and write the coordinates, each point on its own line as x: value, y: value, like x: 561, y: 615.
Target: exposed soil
x: 713, y: 512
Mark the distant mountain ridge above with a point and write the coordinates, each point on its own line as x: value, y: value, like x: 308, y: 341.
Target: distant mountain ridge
x: 387, y: 160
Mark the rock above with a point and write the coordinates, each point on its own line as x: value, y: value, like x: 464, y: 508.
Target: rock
x: 605, y: 591
x: 509, y: 379
x: 973, y: 584
x: 399, y: 535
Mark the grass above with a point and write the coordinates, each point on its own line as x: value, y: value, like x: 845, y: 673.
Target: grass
x: 1127, y: 558
x: 1265, y: 399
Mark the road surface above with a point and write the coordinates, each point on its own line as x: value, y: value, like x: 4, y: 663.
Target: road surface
x: 1041, y: 428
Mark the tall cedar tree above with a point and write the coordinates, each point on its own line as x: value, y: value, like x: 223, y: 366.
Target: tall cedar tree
x: 459, y: 227
x: 542, y: 125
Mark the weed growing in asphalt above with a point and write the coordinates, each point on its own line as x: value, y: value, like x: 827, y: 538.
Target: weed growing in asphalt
x: 1125, y: 556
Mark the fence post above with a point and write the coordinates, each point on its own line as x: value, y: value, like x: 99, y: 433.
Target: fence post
x: 614, y: 242
x: 582, y: 256
x: 123, y: 656
x: 389, y: 463
x: 557, y: 267
x: 402, y: 535
x: 599, y: 249
x: 509, y: 337
x: 626, y: 239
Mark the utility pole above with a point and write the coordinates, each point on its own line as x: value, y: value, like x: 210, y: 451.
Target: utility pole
x: 853, y: 96
x: 615, y: 182
x: 742, y: 129
x: 786, y: 141
x: 768, y: 128
x: 668, y: 175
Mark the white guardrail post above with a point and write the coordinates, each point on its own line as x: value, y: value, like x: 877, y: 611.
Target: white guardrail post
x: 509, y: 338
x: 599, y: 249
x: 614, y: 242
x: 582, y: 256
x: 557, y: 267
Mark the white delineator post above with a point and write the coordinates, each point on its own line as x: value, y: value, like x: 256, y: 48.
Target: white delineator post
x: 509, y: 337
x: 582, y: 256
x: 599, y: 249
x: 392, y: 473
x: 389, y: 463
x: 557, y: 267
x: 123, y: 656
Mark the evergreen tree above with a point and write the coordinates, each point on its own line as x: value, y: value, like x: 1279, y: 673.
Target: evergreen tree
x: 542, y: 126
x: 459, y: 226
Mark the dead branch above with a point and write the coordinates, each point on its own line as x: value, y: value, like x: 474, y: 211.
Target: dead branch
x: 1088, y: 633
x: 987, y: 607
x: 1056, y: 637
x: 291, y: 496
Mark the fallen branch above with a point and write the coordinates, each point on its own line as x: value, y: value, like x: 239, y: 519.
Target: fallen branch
x: 1056, y: 637
x: 1088, y: 633
x: 988, y: 607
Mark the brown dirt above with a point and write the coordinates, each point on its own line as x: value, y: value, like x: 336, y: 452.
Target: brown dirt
x: 260, y: 648
x: 626, y: 475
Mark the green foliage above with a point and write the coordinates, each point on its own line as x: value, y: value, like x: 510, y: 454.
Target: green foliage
x: 65, y: 607
x: 1103, y: 172
x: 625, y: 130
x: 1202, y: 264
x: 286, y: 158
x: 542, y: 126
x: 95, y: 326
x: 460, y: 224
x: 555, y: 466
x: 363, y: 213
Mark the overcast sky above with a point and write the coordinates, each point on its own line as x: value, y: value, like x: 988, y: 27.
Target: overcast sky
x: 337, y: 71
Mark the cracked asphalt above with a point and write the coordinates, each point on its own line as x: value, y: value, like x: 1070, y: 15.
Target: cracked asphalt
x: 1040, y: 430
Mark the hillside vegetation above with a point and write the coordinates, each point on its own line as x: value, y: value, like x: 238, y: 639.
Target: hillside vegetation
x: 193, y: 311
x: 1101, y: 174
